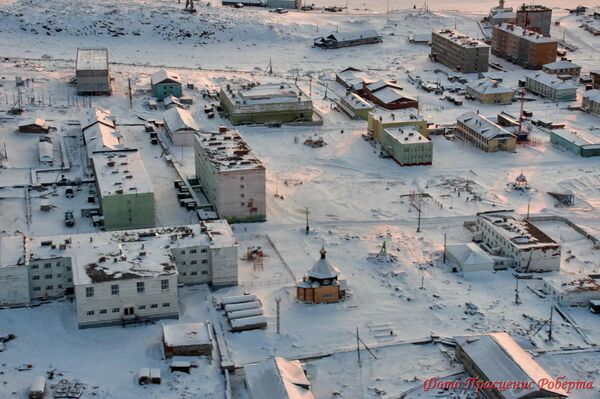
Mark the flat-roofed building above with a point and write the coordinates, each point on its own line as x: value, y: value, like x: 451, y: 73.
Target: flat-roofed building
x: 572, y: 289
x: 505, y: 233
x: 232, y: 177
x: 379, y: 120
x: 536, y: 18
x: 407, y: 146
x: 125, y: 190
x: 14, y: 273
x: 497, y: 358
x: 355, y: 106
x: 551, y: 86
x: 562, y: 67
x: 268, y: 103
x: 591, y: 101
x: 459, y: 51
x: 523, y: 47
x: 488, y: 91
x: 484, y: 134
x: 579, y: 141
x: 91, y: 71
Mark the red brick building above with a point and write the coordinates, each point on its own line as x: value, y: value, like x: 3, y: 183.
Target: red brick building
x: 529, y: 49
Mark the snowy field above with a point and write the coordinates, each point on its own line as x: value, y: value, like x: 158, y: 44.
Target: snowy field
x: 357, y: 200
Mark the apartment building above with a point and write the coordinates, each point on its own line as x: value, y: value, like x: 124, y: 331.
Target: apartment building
x: 523, y: 47
x: 459, y: 51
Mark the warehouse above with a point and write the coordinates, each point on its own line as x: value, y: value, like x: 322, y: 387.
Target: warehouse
x: 572, y: 290
x: 91, y: 71
x: 407, y: 146
x: 496, y: 357
x: 484, y: 134
x: 268, y: 103
x: 578, y: 141
x: 488, y: 91
x: 551, y: 86
x: 388, y: 95
x: 347, y: 39
x: 232, y: 177
x: 507, y: 234
x: 469, y: 257
x: 459, y: 51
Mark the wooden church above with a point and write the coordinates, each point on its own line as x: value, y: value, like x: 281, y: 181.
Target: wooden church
x: 321, y: 284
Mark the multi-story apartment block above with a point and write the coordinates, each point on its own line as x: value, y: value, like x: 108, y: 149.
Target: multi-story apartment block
x: 523, y: 47
x: 535, y: 17
x: 551, y: 86
x: 459, y: 51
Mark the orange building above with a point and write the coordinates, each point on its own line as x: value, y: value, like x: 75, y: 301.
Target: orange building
x: 321, y: 284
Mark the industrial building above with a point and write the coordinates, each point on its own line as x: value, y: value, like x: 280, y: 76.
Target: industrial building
x: 380, y: 120
x: 578, y: 141
x: 407, y: 146
x: 388, y: 95
x: 572, y: 290
x: 180, y: 126
x: 347, y: 39
x: 321, y: 283
x: 232, y: 177
x: 562, y: 67
x: 459, y: 51
x: 355, y: 106
x: 591, y: 101
x: 165, y: 83
x: 277, y: 378
x: 536, y: 18
x: 496, y: 357
x: 125, y: 190
x: 268, y: 103
x: 529, y: 49
x: 551, y: 86
x: 507, y: 234
x: 91, y: 71
x: 117, y: 276
x: 488, y: 91
x: 484, y: 134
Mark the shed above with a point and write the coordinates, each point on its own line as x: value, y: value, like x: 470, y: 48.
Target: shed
x: 37, y: 390
x: 189, y: 339
x: 155, y: 376
x: 238, y: 299
x: 144, y: 376
x: 37, y: 125
x: 242, y: 306
x: 248, y: 323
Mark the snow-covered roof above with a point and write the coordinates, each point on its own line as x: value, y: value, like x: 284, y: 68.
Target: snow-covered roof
x: 528, y: 35
x: 389, y: 95
x: 461, y: 39
x: 277, y: 379
x: 34, y: 122
x: 580, y: 137
x: 407, y: 135
x: 516, y: 229
x: 100, y: 138
x: 227, y: 150
x: 380, y: 84
x: 93, y: 59
x: 561, y: 64
x: 46, y: 151
x: 187, y: 334
x: 488, y: 86
x: 551, y: 81
x: 272, y: 97
x: 179, y: 120
x: 351, y: 77
x: 500, y: 358
x: 592, y: 95
x: 323, y: 269
x: 573, y: 283
x: 483, y: 126
x: 469, y: 254
x: 11, y: 251
x: 355, y: 101
x: 164, y: 75
x: 96, y: 115
x: 121, y: 173
x: 356, y: 35
x: 248, y: 321
x: 398, y: 115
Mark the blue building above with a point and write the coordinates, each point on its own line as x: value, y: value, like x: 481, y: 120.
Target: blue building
x: 165, y: 83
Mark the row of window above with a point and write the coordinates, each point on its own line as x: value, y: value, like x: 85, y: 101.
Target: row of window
x: 194, y: 262
x: 203, y: 272
x: 140, y: 287
x: 49, y: 277
x: 48, y: 288
x: 193, y: 251
x: 48, y: 265
x: 118, y: 310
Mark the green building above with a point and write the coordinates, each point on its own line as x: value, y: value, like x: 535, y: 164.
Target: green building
x: 578, y: 142
x: 125, y: 190
x: 379, y: 120
x: 165, y: 83
x: 355, y: 106
x: 407, y: 146
x: 268, y: 103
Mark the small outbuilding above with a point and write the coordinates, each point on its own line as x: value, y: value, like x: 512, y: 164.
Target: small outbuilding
x: 166, y: 83
x: 37, y: 125
x: 469, y: 257
x: 189, y: 339
x: 277, y: 379
x: 37, y: 390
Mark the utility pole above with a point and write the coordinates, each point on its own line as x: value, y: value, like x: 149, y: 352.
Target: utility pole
x: 422, y: 280
x: 528, y: 206
x: 550, y: 323
x: 517, y: 298
x: 417, y: 205
x: 307, y: 213
x: 388, y: 7
x: 326, y: 86
x: 278, y: 301
x: 358, y: 346
x: 130, y: 98
x: 444, y: 247
x: 310, y: 86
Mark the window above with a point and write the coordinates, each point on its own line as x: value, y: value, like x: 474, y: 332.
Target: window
x: 193, y: 251
x: 89, y: 292
x: 183, y: 263
x: 241, y: 177
x: 204, y: 250
x: 194, y: 262
x: 141, y: 287
x: 34, y: 267
x: 241, y: 195
x: 59, y: 286
x: 166, y: 305
x: 59, y: 275
x: 90, y: 312
x: 37, y: 288
x: 114, y: 289
x: 241, y: 186
x: 142, y: 307
x: 47, y: 265
x: 49, y: 287
x: 68, y: 268
x: 69, y: 280
x: 204, y: 272
x: 103, y: 311
x: 183, y: 251
x: 116, y: 310
x: 48, y: 276
x: 193, y: 273
x: 164, y: 284
x: 35, y: 277
x: 204, y: 261
x: 153, y: 306
x: 242, y: 204
x: 184, y: 274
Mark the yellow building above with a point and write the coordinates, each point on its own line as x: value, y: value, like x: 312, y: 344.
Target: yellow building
x: 321, y: 284
x: 378, y: 121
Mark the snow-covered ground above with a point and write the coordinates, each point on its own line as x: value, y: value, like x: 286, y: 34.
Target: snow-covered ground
x: 357, y: 200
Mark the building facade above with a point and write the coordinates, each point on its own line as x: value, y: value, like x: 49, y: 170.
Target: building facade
x: 562, y: 67
x: 348, y: 39
x: 572, y: 290
x: 488, y: 91
x: 407, y: 146
x: 529, y: 49
x: 180, y: 126
x: 380, y: 120
x: 536, y: 18
x: 484, y: 134
x: 591, y: 101
x: 91, y: 71
x: 579, y: 142
x: 459, y: 51
x: 321, y: 284
x: 551, y: 86
x: 232, y: 177
x: 165, y: 83
x: 355, y: 106
x: 268, y: 103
